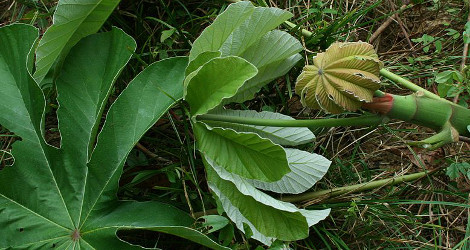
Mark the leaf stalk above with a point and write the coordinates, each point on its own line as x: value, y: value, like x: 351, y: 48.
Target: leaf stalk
x: 329, y: 193
x: 365, y: 120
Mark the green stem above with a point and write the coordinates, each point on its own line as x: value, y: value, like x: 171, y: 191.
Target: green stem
x: 305, y: 33
x: 407, y: 84
x: 366, y: 120
x: 329, y: 193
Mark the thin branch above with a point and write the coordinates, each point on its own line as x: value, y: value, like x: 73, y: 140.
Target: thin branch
x: 330, y: 193
x: 464, y: 57
x: 409, y: 85
x: 365, y: 120
x: 464, y: 139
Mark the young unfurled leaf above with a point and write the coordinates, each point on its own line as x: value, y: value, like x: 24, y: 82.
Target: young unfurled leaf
x: 66, y: 197
x: 342, y: 78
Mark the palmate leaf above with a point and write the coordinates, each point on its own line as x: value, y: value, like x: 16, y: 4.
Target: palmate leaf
x: 72, y: 21
x: 342, y: 78
x: 65, y: 198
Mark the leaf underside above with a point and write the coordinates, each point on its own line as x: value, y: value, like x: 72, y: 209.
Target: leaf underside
x: 240, y: 158
x: 267, y: 217
x: 246, y: 31
x: 288, y: 136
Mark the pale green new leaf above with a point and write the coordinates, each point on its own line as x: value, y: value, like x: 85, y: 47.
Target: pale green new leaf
x: 72, y: 21
x: 274, y: 55
x: 218, y: 79
x: 270, y: 217
x: 212, y: 38
x: 55, y: 198
x: 245, y: 154
x: 290, y: 136
x: 260, y: 22
x: 200, y: 60
x: 307, y: 169
x: 342, y: 78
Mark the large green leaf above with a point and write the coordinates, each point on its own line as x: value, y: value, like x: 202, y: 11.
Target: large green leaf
x: 267, y: 217
x: 218, y: 79
x: 146, y: 98
x: 245, y: 154
x: 279, y: 135
x: 83, y: 93
x: 72, y: 21
x: 56, y: 198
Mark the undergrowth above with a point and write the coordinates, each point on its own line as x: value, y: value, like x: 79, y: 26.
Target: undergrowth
x: 422, y: 41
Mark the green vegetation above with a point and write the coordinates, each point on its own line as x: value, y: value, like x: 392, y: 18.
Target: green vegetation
x: 187, y: 121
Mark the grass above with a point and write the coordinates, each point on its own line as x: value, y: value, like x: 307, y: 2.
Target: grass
x: 432, y: 213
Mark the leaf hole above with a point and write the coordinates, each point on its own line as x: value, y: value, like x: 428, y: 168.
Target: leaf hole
x: 53, y: 245
x: 21, y: 229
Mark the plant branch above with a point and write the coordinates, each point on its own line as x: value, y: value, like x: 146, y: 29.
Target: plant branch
x: 464, y: 57
x: 329, y: 193
x: 408, y: 84
x: 464, y: 139
x: 334, y: 192
x: 365, y: 120
x: 386, y: 24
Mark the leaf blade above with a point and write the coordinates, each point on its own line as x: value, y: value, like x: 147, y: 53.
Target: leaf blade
x: 30, y: 198
x: 218, y: 79
x: 83, y: 94
x: 272, y: 218
x: 217, y: 33
x: 245, y: 154
x: 71, y: 22
x: 306, y: 168
x: 138, y: 107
